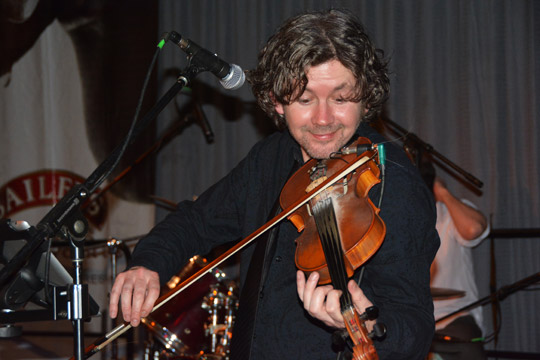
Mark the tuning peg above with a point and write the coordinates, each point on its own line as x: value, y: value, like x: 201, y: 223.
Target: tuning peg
x: 378, y: 332
x: 371, y: 313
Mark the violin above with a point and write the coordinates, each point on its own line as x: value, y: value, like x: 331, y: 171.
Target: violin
x: 346, y: 172
x: 340, y: 229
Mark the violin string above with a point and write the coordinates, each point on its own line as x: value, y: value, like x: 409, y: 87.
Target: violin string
x: 321, y: 228
x: 326, y: 223
x: 336, y: 241
x: 333, y: 238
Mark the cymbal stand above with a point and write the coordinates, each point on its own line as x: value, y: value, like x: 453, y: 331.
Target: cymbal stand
x: 112, y: 244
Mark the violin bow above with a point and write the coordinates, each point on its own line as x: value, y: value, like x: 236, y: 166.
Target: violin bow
x: 102, y: 342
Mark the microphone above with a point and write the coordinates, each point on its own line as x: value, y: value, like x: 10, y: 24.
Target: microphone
x: 203, y: 122
x: 231, y: 76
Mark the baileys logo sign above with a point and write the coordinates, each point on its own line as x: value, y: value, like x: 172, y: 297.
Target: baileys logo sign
x: 47, y: 187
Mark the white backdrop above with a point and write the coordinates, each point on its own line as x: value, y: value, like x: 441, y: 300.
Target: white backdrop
x: 43, y: 135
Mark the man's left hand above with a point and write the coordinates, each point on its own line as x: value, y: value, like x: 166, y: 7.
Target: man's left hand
x: 322, y: 302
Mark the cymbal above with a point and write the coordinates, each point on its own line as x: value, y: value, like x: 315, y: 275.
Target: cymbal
x: 165, y: 203
x: 444, y: 294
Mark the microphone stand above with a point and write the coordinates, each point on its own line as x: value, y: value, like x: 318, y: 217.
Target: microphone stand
x: 500, y: 294
x: 66, y: 213
x: 411, y: 140
x: 164, y: 139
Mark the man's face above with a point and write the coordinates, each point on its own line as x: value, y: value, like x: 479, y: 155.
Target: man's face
x: 321, y: 120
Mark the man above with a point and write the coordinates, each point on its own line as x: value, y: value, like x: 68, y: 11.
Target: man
x: 461, y: 227
x: 318, y: 77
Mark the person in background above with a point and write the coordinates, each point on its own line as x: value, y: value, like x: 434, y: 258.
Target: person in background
x: 461, y: 226
x: 321, y: 80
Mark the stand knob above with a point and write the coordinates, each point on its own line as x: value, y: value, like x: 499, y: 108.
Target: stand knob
x: 10, y: 330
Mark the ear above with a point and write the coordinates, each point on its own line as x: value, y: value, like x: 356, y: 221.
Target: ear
x: 279, y: 108
x: 277, y: 105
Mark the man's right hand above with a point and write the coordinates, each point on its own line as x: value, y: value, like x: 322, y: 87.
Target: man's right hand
x: 137, y: 289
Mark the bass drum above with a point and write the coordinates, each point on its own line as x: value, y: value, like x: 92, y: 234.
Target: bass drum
x: 197, y: 323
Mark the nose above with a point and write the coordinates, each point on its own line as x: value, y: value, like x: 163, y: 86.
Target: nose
x: 323, y: 115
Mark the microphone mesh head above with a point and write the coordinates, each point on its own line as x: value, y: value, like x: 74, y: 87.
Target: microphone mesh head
x: 234, y: 79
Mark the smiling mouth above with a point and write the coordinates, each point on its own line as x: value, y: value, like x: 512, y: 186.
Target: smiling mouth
x: 324, y: 137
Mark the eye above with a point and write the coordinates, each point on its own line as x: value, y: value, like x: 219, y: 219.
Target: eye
x: 304, y: 100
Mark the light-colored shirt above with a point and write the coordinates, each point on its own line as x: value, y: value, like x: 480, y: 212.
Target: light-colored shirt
x: 453, y: 268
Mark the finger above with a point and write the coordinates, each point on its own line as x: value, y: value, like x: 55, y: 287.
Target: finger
x: 311, y: 285
x: 139, y: 294
x: 360, y: 301
x: 151, y: 296
x: 300, y: 284
x: 125, y: 299
x: 319, y: 298
x: 115, y: 296
x: 318, y: 302
x: 333, y: 308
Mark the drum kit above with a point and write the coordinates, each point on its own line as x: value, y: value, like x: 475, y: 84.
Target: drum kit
x: 197, y: 324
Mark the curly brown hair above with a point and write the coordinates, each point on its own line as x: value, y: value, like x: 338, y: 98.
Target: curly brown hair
x: 312, y: 39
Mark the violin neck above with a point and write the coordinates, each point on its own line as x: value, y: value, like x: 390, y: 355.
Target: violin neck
x: 353, y: 324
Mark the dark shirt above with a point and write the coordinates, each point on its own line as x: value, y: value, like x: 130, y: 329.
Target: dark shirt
x: 396, y: 278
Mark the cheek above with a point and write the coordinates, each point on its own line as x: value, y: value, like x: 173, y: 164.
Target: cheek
x: 347, y: 116
x: 296, y: 115
x: 353, y: 115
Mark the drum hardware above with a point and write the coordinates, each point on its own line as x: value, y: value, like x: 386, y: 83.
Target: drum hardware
x: 164, y: 203
x: 444, y: 294
x: 197, y: 325
x: 112, y: 245
x: 222, y: 306
x: 154, y: 352
x: 499, y: 295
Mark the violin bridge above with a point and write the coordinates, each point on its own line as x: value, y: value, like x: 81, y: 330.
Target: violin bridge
x: 315, y: 183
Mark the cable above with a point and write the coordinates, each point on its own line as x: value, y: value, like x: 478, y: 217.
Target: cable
x: 382, y: 165
x: 135, y: 117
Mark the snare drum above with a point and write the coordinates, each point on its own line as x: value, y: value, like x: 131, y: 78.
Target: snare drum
x: 186, y: 325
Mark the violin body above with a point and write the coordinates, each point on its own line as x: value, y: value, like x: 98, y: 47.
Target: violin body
x: 360, y: 228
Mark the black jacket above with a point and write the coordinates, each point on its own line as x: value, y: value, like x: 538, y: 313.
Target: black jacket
x: 396, y: 278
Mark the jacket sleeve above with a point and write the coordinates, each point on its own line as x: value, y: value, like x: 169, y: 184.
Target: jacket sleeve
x: 196, y: 227
x: 226, y: 212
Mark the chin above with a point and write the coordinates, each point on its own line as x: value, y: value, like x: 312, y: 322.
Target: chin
x: 321, y: 153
